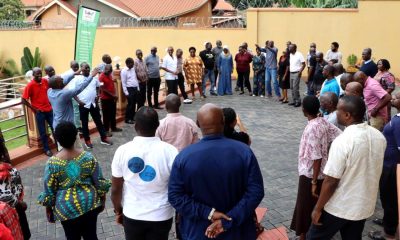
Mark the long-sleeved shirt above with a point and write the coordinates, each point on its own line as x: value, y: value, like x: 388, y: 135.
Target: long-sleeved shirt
x: 141, y: 71
x: 61, y: 100
x: 128, y: 79
x: 219, y: 173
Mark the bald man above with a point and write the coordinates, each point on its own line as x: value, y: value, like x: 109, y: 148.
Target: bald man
x: 175, y: 128
x: 376, y: 99
x: 153, y: 70
x: 329, y: 101
x: 356, y: 89
x: 216, y: 184
x: 345, y: 79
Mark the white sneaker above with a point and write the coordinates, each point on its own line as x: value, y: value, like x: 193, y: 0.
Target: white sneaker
x: 187, y: 101
x: 254, y: 95
x: 261, y: 95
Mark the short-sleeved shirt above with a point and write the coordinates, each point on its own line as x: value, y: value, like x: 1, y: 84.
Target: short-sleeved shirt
x: 193, y: 67
x: 178, y: 130
x: 392, y: 134
x: 243, y: 61
x: 386, y: 79
x: 330, y: 55
x: 145, y: 165
x: 314, y: 145
x: 208, y: 59
x: 153, y: 66
x: 89, y: 94
x: 373, y: 93
x: 37, y: 93
x: 141, y: 71
x: 331, y: 86
x: 170, y: 63
x: 108, y: 84
x: 296, y: 62
x: 356, y: 158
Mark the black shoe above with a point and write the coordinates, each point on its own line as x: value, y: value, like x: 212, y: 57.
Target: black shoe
x: 213, y: 93
x: 241, y: 93
x: 129, y: 122
x: 204, y: 96
x: 292, y: 104
x: 236, y: 89
x: 376, y: 235
x: 297, y: 105
x: 116, y: 130
x: 158, y: 107
x: 378, y: 221
x: 48, y: 153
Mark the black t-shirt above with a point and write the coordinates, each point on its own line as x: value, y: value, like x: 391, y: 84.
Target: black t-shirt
x: 370, y: 69
x: 312, y: 65
x: 318, y: 76
x: 238, y: 136
x: 208, y: 59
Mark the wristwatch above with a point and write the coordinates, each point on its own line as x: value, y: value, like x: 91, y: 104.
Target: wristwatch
x: 211, y: 214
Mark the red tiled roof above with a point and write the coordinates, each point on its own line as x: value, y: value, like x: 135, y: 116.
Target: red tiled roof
x: 121, y: 4
x: 34, y: 3
x: 42, y: 9
x: 162, y: 8
x: 222, y: 5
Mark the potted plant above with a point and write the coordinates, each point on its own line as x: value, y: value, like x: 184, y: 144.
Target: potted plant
x: 351, y: 61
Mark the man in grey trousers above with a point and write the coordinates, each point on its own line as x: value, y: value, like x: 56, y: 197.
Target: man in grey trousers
x: 297, y: 65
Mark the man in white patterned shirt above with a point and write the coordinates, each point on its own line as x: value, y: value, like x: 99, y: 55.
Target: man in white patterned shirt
x: 353, y: 170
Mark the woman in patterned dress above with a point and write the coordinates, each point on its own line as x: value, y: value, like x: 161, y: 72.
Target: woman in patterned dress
x: 193, y: 68
x: 387, y: 81
x: 74, y: 187
x: 12, y: 191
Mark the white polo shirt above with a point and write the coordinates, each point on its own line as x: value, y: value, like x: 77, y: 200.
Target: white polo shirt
x: 145, y: 165
x: 170, y: 63
x: 356, y: 158
x: 296, y: 62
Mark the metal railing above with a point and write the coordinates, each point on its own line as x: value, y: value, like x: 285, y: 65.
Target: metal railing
x: 11, y: 134
x: 128, y: 22
x: 9, y: 87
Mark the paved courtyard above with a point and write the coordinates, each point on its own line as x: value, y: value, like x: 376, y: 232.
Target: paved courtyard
x: 275, y: 130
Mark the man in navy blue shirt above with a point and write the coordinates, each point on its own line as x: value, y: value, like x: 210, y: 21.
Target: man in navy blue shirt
x: 216, y: 184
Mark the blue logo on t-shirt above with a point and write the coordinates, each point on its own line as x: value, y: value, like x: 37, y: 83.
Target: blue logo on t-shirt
x: 148, y: 174
x: 136, y: 164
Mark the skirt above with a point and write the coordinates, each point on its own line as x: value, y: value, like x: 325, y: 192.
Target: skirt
x: 284, y: 83
x: 305, y: 204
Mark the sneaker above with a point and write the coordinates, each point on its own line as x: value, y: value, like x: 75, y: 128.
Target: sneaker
x: 236, y: 89
x: 116, y: 130
x: 213, y: 93
x: 108, y: 134
x: 106, y: 141
x: 88, y: 144
x: 262, y: 96
x: 241, y: 93
x: 254, y: 95
x: 204, y: 96
x: 129, y: 122
x: 48, y: 153
x: 187, y: 101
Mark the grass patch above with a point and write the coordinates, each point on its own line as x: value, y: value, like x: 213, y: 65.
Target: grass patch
x: 13, y: 133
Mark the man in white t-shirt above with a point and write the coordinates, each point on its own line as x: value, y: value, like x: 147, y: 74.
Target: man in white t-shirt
x: 170, y: 66
x: 349, y: 192
x: 333, y: 54
x: 297, y: 65
x: 140, y: 175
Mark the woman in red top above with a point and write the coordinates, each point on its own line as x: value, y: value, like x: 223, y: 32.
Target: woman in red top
x: 108, y: 99
x: 243, y: 60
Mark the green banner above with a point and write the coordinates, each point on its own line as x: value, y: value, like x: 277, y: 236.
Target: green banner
x: 86, y: 26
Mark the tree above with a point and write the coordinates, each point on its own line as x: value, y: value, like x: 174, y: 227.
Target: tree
x: 11, y: 10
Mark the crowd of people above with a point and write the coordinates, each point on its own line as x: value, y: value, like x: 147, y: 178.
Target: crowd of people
x: 212, y: 185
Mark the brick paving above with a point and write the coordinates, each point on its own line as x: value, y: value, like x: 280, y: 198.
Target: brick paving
x: 275, y: 130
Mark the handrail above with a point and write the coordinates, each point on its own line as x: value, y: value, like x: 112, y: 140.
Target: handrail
x: 23, y: 115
